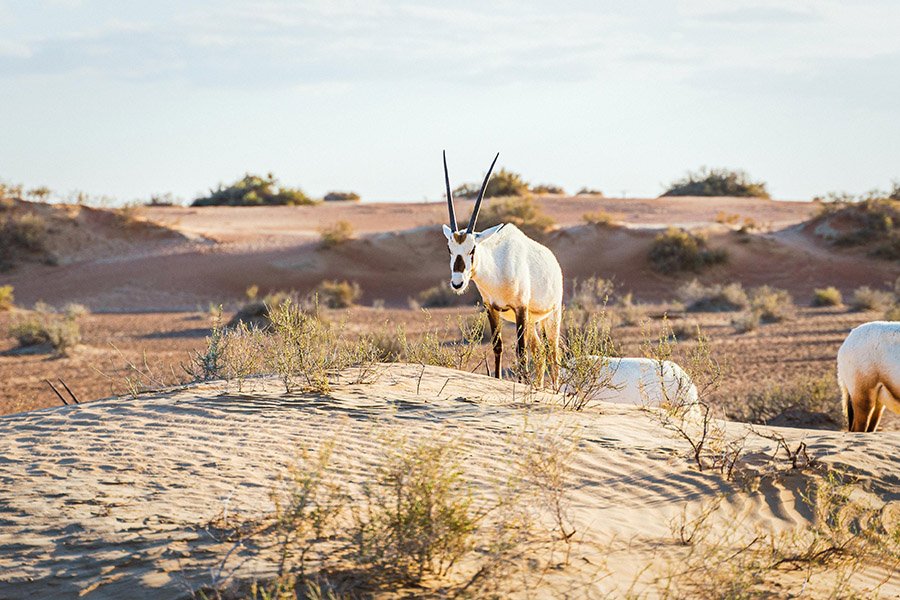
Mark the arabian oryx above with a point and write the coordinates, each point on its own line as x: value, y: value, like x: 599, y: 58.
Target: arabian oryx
x: 519, y: 281
x: 868, y: 369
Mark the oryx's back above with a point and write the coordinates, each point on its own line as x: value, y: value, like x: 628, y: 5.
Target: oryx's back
x: 526, y: 271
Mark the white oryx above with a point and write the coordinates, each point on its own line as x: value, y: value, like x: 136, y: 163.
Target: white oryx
x: 868, y: 369
x: 638, y: 381
x: 519, y: 281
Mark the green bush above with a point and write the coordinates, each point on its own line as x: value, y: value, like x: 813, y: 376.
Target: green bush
x: 7, y: 299
x: 771, y: 304
x: 254, y: 190
x: 598, y: 218
x: 336, y: 234
x: 713, y: 298
x: 679, y: 250
x: 502, y: 183
x: 717, y: 182
x: 524, y: 213
x: 872, y: 220
x: 338, y: 294
x: 547, y: 188
x: 585, y: 191
x: 44, y: 326
x: 830, y: 296
x: 341, y: 197
x: 437, y: 296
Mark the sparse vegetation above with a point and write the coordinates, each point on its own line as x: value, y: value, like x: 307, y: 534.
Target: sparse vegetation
x: 746, y: 321
x: 677, y: 250
x: 335, y: 234
x: 341, y: 197
x: 437, y: 296
x: 524, y: 213
x: 254, y: 190
x: 771, y: 304
x: 590, y: 294
x: 586, y: 191
x: 803, y: 400
x: 716, y: 297
x: 22, y: 233
x: 872, y: 220
x: 829, y: 296
x: 866, y: 298
x: 717, y: 182
x: 338, y: 294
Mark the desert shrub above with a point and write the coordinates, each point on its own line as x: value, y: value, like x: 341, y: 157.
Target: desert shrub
x: 338, y: 294
x: 892, y: 313
x: 679, y: 250
x: 254, y: 190
x: 713, y: 298
x: 341, y: 197
x: 26, y: 231
x: 586, y: 191
x: 39, y: 194
x: 502, y: 183
x: 746, y: 321
x: 872, y: 220
x: 546, y: 188
x: 799, y: 398
x: 7, y: 299
x: 256, y: 313
x: 866, y: 298
x: 717, y: 182
x: 584, y: 375
x: 771, y: 304
x: 628, y: 312
x: 830, y: 296
x: 590, y: 294
x: 336, y: 234
x: 598, y: 218
x: 61, y: 332
x: 437, y: 296
x: 524, y: 213
x: 418, y: 515
x: 303, y: 351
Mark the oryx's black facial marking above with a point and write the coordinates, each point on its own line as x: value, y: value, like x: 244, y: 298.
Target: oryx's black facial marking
x: 459, y: 265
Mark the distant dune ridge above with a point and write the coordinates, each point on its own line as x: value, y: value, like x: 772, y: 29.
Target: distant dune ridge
x: 121, y: 497
x: 213, y: 254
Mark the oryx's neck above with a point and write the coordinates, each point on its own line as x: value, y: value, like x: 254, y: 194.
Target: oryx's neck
x: 486, y: 272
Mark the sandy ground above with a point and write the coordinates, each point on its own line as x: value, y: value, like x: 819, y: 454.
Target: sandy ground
x: 116, y: 498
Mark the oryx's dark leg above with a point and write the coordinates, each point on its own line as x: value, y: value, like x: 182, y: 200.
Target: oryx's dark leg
x: 521, y: 339
x: 496, y: 326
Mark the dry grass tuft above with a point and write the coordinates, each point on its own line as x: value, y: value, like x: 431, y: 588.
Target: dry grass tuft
x: 677, y: 250
x: 829, y: 296
x: 335, y: 234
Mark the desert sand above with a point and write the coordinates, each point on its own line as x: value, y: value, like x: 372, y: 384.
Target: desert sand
x: 118, y: 497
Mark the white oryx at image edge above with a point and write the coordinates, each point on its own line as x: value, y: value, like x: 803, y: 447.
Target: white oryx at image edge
x: 868, y: 370
x: 641, y: 382
x: 519, y: 280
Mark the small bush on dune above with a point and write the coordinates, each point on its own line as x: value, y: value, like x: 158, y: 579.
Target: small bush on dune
x: 341, y: 197
x: 338, y: 294
x: 585, y: 191
x: 438, y: 296
x: 713, y: 298
x: 746, y: 321
x: 336, y: 234
x: 717, y: 182
x: 802, y: 395
x: 874, y: 221
x: 590, y: 294
x: 830, y: 296
x: 524, y: 213
x: 45, y: 326
x: 865, y: 298
x: 502, y: 183
x: 679, y: 250
x: 598, y: 218
x: 546, y: 188
x: 254, y: 190
x: 7, y: 299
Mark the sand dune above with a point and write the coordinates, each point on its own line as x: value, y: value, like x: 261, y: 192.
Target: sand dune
x: 113, y: 499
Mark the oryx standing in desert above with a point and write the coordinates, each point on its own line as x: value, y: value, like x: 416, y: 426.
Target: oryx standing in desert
x: 519, y: 280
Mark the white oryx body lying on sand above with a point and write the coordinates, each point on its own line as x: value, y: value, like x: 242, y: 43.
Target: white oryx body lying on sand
x: 642, y: 382
x: 868, y: 369
x: 519, y: 280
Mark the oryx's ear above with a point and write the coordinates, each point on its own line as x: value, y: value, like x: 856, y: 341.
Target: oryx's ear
x: 448, y: 233
x: 482, y: 236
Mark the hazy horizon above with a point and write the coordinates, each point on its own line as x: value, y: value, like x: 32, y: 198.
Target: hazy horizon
x: 127, y: 99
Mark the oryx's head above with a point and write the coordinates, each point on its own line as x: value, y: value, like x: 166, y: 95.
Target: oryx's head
x: 462, y: 242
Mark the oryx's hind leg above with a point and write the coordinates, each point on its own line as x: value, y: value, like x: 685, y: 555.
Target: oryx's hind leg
x: 521, y: 341
x: 882, y: 399
x: 847, y: 403
x: 496, y: 327
x: 863, y: 400
x: 538, y: 352
x: 551, y: 327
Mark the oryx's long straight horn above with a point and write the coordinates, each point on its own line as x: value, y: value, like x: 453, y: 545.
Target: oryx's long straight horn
x: 474, y: 218
x: 449, y: 197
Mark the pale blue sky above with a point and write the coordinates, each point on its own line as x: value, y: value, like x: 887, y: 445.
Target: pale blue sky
x: 128, y: 98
